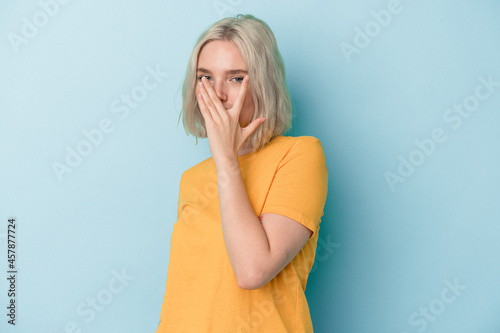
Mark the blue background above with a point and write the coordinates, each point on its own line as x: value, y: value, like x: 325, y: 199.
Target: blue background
x: 385, y: 252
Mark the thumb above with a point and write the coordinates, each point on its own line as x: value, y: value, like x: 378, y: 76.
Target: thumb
x: 253, y: 125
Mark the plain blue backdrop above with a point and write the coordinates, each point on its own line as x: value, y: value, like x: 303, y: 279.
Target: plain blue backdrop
x: 404, y: 96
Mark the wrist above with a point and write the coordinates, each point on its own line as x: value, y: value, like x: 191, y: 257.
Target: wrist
x: 227, y: 165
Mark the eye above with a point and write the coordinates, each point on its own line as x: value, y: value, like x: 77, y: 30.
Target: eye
x: 199, y: 77
x: 239, y: 79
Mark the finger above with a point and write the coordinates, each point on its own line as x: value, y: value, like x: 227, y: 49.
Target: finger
x: 238, y: 104
x: 208, y: 102
x: 213, y: 96
x: 203, y: 108
x: 252, y: 127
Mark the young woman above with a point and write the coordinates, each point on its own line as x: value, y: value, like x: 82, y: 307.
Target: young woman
x: 248, y: 217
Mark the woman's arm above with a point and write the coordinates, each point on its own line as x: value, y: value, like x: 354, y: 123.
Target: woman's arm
x: 257, y: 251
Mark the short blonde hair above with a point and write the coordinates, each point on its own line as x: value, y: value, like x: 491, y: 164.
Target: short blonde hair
x: 259, y: 49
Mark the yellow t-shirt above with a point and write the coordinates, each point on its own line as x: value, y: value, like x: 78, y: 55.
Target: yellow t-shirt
x: 288, y: 176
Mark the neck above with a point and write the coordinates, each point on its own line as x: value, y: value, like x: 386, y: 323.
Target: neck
x: 244, y: 150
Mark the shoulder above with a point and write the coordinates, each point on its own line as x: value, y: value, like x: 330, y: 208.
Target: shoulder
x: 303, y: 144
x: 300, y: 154
x: 202, y: 168
x: 307, y: 139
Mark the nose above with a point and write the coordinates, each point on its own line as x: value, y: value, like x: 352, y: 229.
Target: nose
x: 220, y: 90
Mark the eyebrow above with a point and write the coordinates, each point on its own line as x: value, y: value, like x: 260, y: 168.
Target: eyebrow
x: 231, y: 71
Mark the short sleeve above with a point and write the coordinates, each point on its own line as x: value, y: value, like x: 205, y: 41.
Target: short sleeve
x: 300, y: 184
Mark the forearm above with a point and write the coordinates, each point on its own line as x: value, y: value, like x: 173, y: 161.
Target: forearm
x: 245, y: 238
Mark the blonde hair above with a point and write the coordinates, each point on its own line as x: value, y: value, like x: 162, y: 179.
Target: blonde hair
x: 259, y: 49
